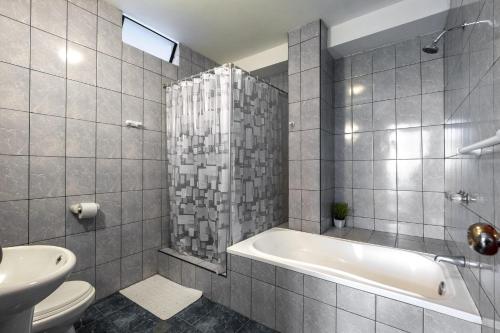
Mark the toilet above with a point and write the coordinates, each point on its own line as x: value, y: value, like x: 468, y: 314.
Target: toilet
x: 60, y: 310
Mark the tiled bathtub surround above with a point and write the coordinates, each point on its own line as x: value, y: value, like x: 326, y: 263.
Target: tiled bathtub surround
x: 310, y: 137
x: 389, y: 139
x: 67, y: 85
x: 292, y: 302
x: 472, y: 114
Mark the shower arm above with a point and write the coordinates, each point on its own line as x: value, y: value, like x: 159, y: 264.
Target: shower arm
x: 463, y: 26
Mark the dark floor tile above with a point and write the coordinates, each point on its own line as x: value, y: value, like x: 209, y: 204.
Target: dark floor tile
x: 112, y: 304
x: 173, y: 325
x: 196, y: 311
x: 89, y: 316
x: 133, y: 318
x: 254, y: 327
x: 99, y: 326
x: 221, y: 320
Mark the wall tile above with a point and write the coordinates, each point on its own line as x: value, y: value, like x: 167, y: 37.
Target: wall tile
x: 48, y: 52
x: 81, y: 101
x: 81, y: 64
x: 290, y: 280
x: 408, y: 81
x: 109, y: 214
x: 361, y: 64
x: 108, y: 141
x: 109, y: 12
x: 14, y: 87
x: 132, y: 80
x: 82, y: 26
x: 47, y: 177
x: 349, y: 322
x: 131, y: 175
x: 321, y: 290
x: 46, y: 218
x: 188, y: 275
x: 109, y: 72
x: 15, y: 40
x: 356, y: 301
x: 80, y: 138
x: 400, y: 315
x: 108, y: 245
x: 131, y: 238
x: 47, y: 135
x: 80, y: 176
x: 408, y: 52
x: 319, y: 317
x: 108, y: 175
x: 131, y: 270
x: 50, y: 16
x: 47, y: 94
x: 289, y: 310
x: 16, y: 9
x: 383, y: 85
x: 263, y: 303
x: 14, y: 133
x: 14, y: 225
x: 384, y: 58
x: 131, y: 206
x: 107, y: 279
x: 83, y: 246
x: 108, y: 106
x: 109, y: 38
x: 241, y: 294
x: 264, y: 272
x: 310, y: 84
x: 309, y: 54
x: 13, y: 177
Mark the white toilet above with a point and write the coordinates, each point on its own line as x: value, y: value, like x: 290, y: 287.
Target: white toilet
x: 61, y: 309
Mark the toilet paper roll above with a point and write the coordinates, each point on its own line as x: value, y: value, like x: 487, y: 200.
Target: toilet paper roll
x: 85, y: 210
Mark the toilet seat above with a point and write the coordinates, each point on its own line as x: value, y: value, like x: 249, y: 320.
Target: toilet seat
x: 66, y: 303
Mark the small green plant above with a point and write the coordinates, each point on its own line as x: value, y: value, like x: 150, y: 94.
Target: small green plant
x: 340, y: 210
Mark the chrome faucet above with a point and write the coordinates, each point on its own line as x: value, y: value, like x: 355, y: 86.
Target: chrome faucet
x: 457, y: 261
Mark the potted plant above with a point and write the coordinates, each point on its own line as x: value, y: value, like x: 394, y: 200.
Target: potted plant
x: 339, y: 212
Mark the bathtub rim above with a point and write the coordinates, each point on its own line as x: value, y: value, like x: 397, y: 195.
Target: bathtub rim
x: 245, y: 249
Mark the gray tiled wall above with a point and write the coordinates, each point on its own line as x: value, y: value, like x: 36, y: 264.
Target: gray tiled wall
x: 64, y: 140
x: 310, y: 137
x: 289, y: 301
x: 389, y: 139
x: 472, y: 114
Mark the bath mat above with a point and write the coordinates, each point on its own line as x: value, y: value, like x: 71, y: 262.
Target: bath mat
x: 160, y: 296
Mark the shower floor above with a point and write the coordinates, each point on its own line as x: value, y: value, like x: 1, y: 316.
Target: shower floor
x: 118, y: 314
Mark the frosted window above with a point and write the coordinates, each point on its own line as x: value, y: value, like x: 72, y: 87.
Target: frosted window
x: 147, y: 40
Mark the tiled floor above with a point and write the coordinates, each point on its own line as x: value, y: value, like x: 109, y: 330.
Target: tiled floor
x: 118, y: 314
x: 428, y: 245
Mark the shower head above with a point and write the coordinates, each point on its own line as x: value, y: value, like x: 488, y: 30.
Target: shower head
x: 431, y: 48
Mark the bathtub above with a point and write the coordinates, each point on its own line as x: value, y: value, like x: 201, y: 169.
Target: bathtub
x: 406, y: 276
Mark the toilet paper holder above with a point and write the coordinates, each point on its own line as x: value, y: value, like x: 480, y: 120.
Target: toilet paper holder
x: 77, y: 209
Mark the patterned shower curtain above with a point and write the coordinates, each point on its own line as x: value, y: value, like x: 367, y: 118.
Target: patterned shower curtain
x: 226, y: 165
x: 198, y: 133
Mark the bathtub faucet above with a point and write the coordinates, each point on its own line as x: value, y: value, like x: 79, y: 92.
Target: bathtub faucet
x: 457, y: 261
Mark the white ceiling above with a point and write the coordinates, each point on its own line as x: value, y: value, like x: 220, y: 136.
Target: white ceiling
x: 228, y: 30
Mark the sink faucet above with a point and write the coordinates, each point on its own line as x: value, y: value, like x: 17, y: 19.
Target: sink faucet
x: 457, y: 261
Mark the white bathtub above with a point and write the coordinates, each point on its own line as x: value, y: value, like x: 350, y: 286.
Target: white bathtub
x: 406, y: 276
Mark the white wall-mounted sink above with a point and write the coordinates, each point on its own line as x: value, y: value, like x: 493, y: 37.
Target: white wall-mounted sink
x: 28, y: 274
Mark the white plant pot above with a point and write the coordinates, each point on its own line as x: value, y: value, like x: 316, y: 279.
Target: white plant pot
x: 339, y: 223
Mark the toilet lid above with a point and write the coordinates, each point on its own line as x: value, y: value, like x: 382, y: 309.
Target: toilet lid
x: 65, y: 296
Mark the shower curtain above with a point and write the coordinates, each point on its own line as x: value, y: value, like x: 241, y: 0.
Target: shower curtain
x: 226, y: 168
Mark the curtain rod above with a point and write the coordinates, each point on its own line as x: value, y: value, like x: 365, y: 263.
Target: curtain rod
x: 230, y: 65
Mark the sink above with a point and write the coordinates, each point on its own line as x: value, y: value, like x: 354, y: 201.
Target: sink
x: 28, y: 274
